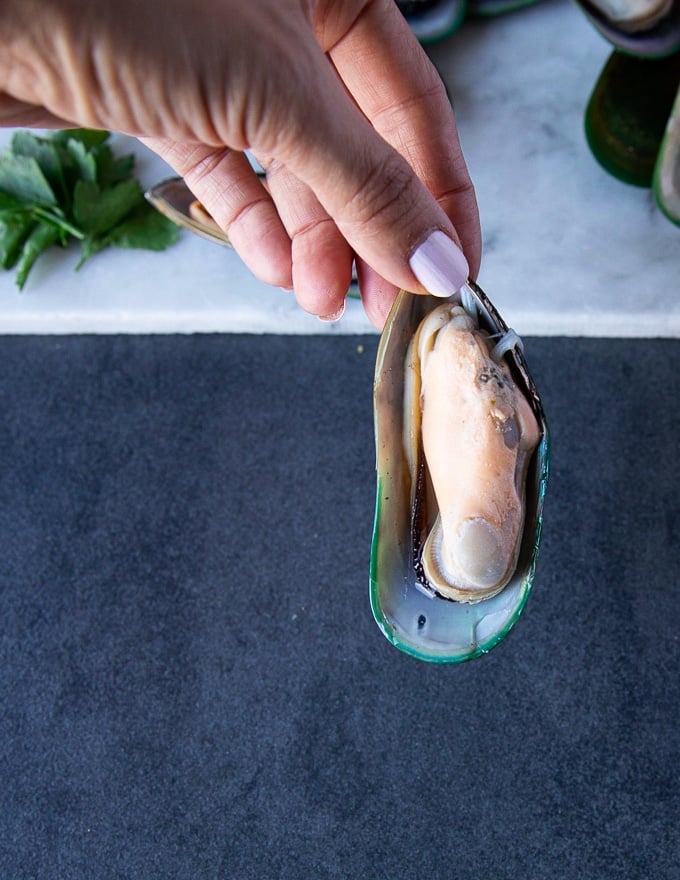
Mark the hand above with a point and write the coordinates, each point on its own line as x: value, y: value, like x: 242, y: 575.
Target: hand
x: 335, y: 98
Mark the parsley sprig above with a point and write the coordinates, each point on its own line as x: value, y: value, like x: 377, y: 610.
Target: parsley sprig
x: 70, y: 185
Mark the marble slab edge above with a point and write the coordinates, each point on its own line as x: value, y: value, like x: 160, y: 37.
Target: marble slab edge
x: 576, y: 324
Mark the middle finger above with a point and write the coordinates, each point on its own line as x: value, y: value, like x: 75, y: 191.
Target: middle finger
x: 322, y: 259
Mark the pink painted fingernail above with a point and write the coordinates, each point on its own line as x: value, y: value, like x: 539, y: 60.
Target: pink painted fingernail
x: 331, y: 319
x: 439, y: 264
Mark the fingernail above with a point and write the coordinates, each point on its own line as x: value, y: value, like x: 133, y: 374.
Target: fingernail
x: 439, y: 264
x: 330, y: 319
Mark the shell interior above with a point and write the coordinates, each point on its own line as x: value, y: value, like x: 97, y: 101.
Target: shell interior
x: 667, y: 169
x: 414, y: 618
x: 656, y: 38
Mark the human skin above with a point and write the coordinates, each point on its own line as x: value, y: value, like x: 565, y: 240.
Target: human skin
x: 335, y: 98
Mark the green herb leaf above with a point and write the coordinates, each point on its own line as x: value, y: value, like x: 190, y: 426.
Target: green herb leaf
x: 144, y: 228
x: 89, y: 137
x: 112, y: 169
x: 25, y: 143
x: 14, y: 231
x: 22, y: 177
x: 98, y: 210
x: 71, y: 185
x: 90, y: 246
x: 9, y: 204
x: 84, y: 161
x: 44, y: 235
x: 52, y: 159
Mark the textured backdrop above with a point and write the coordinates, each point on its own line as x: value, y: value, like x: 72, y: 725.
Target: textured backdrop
x: 192, y: 685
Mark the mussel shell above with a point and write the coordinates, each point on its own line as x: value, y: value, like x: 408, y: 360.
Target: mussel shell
x: 657, y: 41
x: 428, y: 626
x: 627, y: 114
x: 492, y: 8
x: 173, y: 198
x: 432, y: 20
x: 667, y: 169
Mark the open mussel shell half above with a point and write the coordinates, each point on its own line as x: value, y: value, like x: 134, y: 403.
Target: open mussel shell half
x: 412, y: 617
x: 174, y: 200
x: 667, y: 169
x: 656, y: 39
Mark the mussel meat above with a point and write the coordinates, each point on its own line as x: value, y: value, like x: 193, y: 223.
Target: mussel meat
x: 469, y: 434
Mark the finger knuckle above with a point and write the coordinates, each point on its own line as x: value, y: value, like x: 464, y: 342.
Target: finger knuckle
x: 201, y: 165
x: 388, y: 190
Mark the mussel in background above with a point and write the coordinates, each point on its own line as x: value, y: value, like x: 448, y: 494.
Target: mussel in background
x: 490, y: 8
x: 432, y: 20
x: 667, y: 169
x: 644, y: 28
x: 628, y: 114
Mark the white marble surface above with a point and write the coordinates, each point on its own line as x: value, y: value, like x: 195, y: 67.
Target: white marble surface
x: 568, y: 249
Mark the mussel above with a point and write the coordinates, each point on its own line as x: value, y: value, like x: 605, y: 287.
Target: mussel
x: 667, y: 169
x: 631, y: 16
x: 432, y: 20
x: 174, y: 199
x: 462, y: 457
x: 628, y: 113
x: 491, y: 8
x: 644, y: 28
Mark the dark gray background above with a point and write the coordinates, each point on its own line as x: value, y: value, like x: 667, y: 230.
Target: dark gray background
x: 192, y: 684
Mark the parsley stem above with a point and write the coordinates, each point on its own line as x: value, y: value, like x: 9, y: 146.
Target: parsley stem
x: 50, y: 217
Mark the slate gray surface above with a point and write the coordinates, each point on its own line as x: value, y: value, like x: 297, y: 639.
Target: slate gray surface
x: 191, y: 682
